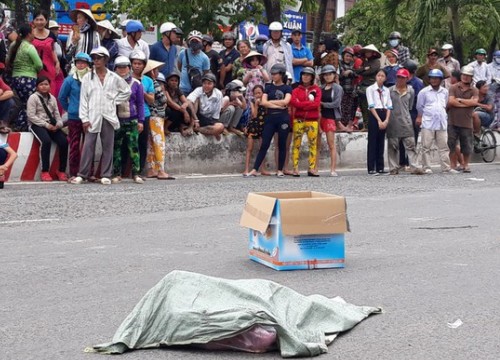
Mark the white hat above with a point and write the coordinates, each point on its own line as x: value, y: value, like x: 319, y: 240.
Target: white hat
x: 100, y: 50
x: 167, y: 26
x: 151, y: 65
x: 87, y: 13
x: 53, y: 24
x: 106, y: 24
x: 371, y: 48
x: 240, y: 84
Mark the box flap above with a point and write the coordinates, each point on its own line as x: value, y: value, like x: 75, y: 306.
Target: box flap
x: 258, y: 211
x: 319, y: 214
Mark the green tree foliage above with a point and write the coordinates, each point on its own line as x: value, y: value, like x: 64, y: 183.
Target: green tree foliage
x: 202, y: 15
x: 467, y: 24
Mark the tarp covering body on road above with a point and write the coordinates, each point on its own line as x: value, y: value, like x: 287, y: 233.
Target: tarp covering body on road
x: 186, y: 308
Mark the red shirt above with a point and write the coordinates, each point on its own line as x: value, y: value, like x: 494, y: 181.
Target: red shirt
x: 358, y: 63
x: 3, y: 86
x: 304, y: 107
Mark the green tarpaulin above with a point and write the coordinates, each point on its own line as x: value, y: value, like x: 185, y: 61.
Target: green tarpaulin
x: 187, y: 308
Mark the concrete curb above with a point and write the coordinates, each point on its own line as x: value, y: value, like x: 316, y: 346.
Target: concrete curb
x: 199, y: 154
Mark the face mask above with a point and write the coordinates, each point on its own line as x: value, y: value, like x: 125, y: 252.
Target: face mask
x: 497, y: 60
x: 195, y: 46
x: 82, y: 73
x: 394, y: 42
x: 259, y: 47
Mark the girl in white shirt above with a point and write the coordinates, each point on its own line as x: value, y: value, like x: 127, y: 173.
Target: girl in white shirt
x: 380, y: 106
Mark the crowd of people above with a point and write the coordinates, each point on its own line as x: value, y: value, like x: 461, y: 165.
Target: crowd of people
x: 112, y: 86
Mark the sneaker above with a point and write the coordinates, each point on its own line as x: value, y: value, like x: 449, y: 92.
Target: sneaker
x: 372, y: 172
x: 45, y: 176
x: 138, y: 179
x: 452, y: 171
x: 105, y: 181
x: 77, y: 180
x: 61, y: 176
x: 116, y: 180
x: 394, y: 172
x: 428, y: 171
x: 334, y: 174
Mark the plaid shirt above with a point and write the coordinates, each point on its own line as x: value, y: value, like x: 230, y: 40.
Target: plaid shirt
x: 403, y: 54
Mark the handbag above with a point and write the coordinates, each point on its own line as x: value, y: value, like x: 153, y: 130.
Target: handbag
x: 52, y: 120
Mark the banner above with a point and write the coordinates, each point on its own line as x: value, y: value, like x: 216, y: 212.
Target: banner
x: 294, y: 21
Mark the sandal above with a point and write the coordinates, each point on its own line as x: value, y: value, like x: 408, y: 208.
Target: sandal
x: 466, y: 170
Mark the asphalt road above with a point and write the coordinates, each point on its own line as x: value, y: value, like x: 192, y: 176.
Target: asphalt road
x: 74, y: 260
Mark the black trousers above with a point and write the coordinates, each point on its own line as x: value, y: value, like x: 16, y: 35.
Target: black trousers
x: 376, y: 142
x: 274, y: 124
x: 143, y: 144
x: 45, y: 137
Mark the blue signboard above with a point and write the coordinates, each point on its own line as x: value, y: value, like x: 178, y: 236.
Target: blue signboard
x: 294, y: 21
x: 65, y: 22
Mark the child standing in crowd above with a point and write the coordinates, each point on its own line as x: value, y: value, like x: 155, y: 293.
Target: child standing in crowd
x: 131, y: 117
x: 400, y: 128
x: 380, y: 106
x: 392, y: 58
x: 46, y: 124
x: 255, y: 126
x: 255, y: 73
x: 179, y: 118
x: 156, y: 144
x: 69, y: 97
x: 7, y: 158
x: 331, y: 112
x: 276, y: 98
x: 306, y: 100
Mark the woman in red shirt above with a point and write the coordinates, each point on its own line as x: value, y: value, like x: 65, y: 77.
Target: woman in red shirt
x: 306, y: 100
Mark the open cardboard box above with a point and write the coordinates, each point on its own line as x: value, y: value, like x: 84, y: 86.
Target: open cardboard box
x: 296, y: 229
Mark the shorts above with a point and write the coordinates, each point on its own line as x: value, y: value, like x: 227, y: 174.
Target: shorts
x: 464, y: 135
x: 328, y: 125
x: 486, y: 119
x: 206, y: 121
x: 255, y: 127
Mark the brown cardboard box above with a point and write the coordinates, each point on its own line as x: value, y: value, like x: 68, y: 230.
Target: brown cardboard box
x: 296, y: 230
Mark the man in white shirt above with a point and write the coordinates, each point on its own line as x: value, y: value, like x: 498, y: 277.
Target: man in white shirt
x: 276, y: 49
x: 206, y: 103
x: 133, y: 39
x: 481, y: 69
x: 101, y: 91
x: 433, y: 119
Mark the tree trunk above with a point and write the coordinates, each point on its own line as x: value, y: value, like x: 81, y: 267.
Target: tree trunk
x: 319, y: 23
x: 456, y: 36
x: 273, y: 10
x: 492, y: 47
x: 45, y: 5
x: 21, y: 12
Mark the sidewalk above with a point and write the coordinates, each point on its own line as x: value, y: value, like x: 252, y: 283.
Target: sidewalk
x: 199, y: 154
